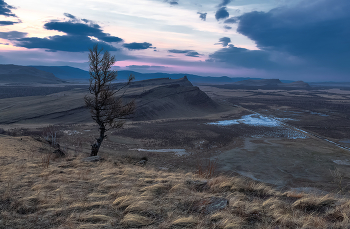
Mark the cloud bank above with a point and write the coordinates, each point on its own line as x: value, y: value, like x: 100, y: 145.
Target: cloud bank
x: 138, y: 46
x: 317, y: 31
x: 6, y: 9
x: 221, y: 13
x: 202, y: 16
x: 190, y: 53
x: 308, y: 36
x: 80, y: 36
x: 224, y: 41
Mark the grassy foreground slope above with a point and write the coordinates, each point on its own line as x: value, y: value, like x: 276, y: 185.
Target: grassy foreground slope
x: 38, y: 191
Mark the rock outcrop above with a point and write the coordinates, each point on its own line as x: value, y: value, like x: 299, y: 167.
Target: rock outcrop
x: 172, y: 99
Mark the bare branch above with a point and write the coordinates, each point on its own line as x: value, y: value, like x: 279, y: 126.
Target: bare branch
x: 106, y: 110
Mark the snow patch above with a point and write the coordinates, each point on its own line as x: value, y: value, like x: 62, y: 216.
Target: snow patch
x: 178, y: 152
x: 71, y: 132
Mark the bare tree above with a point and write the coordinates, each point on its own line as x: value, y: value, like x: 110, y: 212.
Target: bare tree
x: 107, y: 110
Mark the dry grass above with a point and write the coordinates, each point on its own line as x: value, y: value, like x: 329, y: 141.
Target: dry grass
x: 66, y: 193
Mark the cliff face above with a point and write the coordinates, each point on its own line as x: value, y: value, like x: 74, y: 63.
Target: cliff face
x: 10, y: 73
x: 173, y: 99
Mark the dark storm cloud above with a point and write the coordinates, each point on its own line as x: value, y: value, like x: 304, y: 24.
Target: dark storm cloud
x: 77, y: 38
x: 70, y: 16
x: 224, y: 3
x: 227, y: 27
x: 86, y: 20
x: 221, y: 13
x: 231, y: 20
x: 12, y: 35
x: 2, y: 23
x: 202, y: 16
x: 317, y: 31
x: 179, y: 51
x: 6, y: 9
x: 81, y: 29
x: 191, y: 53
x: 138, y: 46
x: 63, y: 43
x: 224, y: 41
x: 172, y: 2
x: 242, y: 57
x: 310, y: 38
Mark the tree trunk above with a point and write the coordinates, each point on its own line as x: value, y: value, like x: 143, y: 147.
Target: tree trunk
x: 96, y: 146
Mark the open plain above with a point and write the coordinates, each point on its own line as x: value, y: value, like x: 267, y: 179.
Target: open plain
x: 287, y: 138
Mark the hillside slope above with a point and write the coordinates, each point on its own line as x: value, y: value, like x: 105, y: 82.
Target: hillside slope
x: 40, y: 191
x: 16, y: 74
x: 178, y: 99
x: 155, y: 99
x: 65, y: 72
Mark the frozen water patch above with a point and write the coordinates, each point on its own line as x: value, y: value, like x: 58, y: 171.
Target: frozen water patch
x: 316, y: 113
x: 178, y: 152
x: 341, y: 162
x: 345, y: 141
x: 253, y: 120
x: 319, y: 114
x: 281, y: 130
x: 71, y: 132
x: 224, y: 123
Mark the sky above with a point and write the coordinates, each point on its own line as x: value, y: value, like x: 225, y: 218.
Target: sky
x: 305, y: 40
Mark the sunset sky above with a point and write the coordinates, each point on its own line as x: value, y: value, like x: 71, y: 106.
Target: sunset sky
x: 287, y: 39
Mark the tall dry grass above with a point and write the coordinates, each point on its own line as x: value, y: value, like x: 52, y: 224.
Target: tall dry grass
x: 69, y: 193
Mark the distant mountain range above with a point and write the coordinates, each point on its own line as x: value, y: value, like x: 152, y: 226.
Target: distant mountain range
x: 70, y: 73
x: 16, y: 74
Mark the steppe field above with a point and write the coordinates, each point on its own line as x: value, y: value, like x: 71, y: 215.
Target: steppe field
x: 263, y: 159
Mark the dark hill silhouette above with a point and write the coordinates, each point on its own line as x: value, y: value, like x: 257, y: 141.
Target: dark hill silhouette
x: 265, y: 84
x: 65, y: 72
x: 16, y: 74
x: 158, y: 82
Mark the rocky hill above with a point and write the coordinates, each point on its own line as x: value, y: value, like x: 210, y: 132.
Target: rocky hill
x: 16, y: 74
x: 172, y: 99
